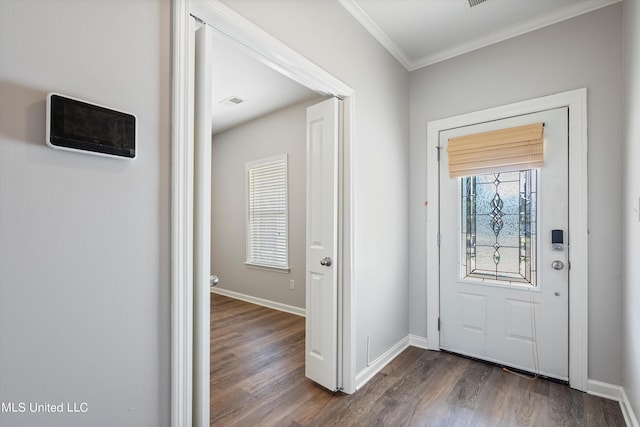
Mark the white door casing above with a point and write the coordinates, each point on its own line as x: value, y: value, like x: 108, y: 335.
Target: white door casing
x: 577, y: 247
x: 520, y: 325
x: 182, y: 215
x: 321, y: 344
x: 202, y: 223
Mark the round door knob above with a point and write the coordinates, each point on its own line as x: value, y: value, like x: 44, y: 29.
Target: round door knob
x: 557, y: 265
x: 213, y: 281
x: 326, y: 261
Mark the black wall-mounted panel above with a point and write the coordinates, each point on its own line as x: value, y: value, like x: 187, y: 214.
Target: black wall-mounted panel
x: 76, y: 125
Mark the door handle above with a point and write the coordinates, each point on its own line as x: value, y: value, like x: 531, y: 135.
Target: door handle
x: 557, y: 265
x: 326, y: 261
x: 213, y: 281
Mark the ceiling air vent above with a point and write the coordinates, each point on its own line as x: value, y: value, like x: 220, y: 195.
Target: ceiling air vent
x: 473, y: 3
x: 234, y: 100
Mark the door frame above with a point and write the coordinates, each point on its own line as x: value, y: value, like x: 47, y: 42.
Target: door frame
x: 277, y: 55
x: 577, y: 249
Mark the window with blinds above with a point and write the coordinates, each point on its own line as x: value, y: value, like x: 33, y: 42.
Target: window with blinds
x: 267, y: 222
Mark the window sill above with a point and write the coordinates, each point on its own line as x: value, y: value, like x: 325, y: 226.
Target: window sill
x: 285, y: 270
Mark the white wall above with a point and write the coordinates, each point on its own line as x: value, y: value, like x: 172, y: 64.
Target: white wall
x: 631, y: 223
x: 583, y: 52
x: 326, y: 34
x: 282, y: 132
x: 84, y: 240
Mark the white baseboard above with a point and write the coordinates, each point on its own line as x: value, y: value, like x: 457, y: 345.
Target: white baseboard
x: 259, y: 301
x: 418, y: 341
x: 606, y: 390
x: 617, y: 393
x: 376, y: 366
x: 627, y: 411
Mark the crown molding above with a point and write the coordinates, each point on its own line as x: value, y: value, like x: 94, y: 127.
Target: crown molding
x: 369, y: 24
x: 515, y: 30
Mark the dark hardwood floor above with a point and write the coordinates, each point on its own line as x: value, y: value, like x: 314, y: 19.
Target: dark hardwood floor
x: 257, y: 379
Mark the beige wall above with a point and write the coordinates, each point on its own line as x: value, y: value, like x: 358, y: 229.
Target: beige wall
x: 84, y: 240
x: 282, y: 132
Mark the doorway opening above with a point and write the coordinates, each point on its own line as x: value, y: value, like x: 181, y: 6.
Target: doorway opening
x: 501, y: 299
x: 190, y: 399
x: 576, y: 240
x: 258, y: 231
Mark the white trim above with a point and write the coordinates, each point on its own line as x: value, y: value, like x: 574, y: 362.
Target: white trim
x: 346, y: 249
x: 376, y: 366
x: 268, y: 49
x: 627, y: 410
x: 606, y: 390
x: 418, y: 341
x: 283, y: 270
x: 260, y: 301
x: 203, y: 102
x: 497, y: 36
x: 617, y: 393
x: 181, y: 219
x: 378, y: 33
x: 578, y: 248
x: 576, y: 100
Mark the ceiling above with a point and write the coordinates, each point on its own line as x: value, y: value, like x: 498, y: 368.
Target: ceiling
x: 422, y: 32
x: 416, y: 32
x: 237, y: 73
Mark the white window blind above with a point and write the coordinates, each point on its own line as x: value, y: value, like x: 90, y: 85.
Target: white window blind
x: 503, y: 150
x: 267, y: 228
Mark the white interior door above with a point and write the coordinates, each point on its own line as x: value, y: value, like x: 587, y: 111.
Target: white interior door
x: 202, y: 223
x: 321, y: 352
x: 503, y: 287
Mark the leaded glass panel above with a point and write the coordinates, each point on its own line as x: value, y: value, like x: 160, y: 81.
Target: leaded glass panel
x: 498, y: 214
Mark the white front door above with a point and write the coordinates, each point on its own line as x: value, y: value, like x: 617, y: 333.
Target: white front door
x: 321, y: 361
x: 503, y: 285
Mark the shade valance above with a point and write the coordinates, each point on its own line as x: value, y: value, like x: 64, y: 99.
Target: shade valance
x: 511, y: 149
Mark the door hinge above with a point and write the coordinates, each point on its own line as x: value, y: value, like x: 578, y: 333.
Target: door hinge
x: 438, y: 239
x: 438, y: 150
x: 438, y: 323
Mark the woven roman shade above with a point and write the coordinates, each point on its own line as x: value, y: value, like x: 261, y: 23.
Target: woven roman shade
x: 512, y: 149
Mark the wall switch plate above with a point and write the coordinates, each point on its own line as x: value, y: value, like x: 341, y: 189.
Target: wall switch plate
x: 292, y: 284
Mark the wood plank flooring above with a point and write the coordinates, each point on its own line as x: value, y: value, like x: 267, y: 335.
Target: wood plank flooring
x: 257, y: 379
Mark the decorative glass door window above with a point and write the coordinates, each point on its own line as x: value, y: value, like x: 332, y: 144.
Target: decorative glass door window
x: 498, y: 228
